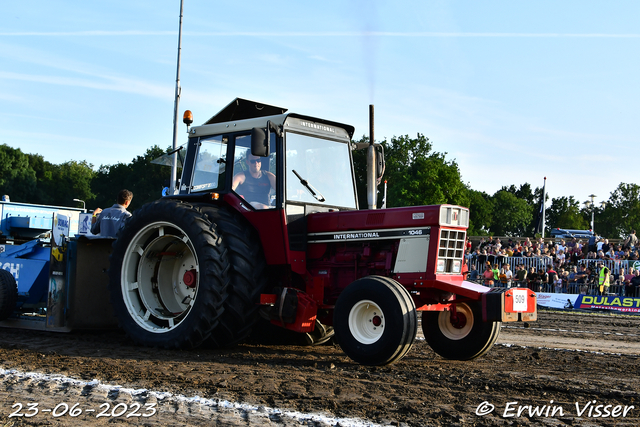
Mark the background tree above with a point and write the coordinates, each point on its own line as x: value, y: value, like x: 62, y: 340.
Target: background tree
x: 511, y: 215
x: 142, y: 177
x: 480, y: 212
x: 17, y: 177
x: 29, y: 178
x: 44, y: 179
x: 71, y: 180
x: 565, y: 212
x: 416, y: 175
x: 148, y: 179
x: 532, y: 197
x: 621, y: 213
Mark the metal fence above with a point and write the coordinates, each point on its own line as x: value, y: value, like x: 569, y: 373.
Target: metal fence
x: 589, y: 287
x: 578, y: 288
x: 615, y: 266
x: 536, y: 262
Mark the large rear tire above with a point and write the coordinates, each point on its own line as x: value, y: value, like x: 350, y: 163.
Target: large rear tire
x: 169, y: 275
x: 8, y: 294
x: 247, y: 277
x: 375, y: 321
x: 468, y: 339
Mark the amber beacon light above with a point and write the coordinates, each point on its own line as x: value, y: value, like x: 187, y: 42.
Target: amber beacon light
x: 187, y: 117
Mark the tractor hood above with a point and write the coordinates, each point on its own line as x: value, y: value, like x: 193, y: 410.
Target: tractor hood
x: 406, y: 219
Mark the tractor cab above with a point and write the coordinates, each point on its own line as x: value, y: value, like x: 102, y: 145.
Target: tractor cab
x: 276, y: 167
x: 309, y: 158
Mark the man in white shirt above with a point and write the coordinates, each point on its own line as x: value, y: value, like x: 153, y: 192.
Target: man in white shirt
x: 508, y: 273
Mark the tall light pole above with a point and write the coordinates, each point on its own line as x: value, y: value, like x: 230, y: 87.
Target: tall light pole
x: 174, y: 165
x: 591, y: 204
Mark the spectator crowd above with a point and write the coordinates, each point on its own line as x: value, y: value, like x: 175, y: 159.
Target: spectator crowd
x: 595, y: 266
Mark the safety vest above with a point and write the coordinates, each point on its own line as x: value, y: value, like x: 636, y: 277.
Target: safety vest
x: 603, y: 280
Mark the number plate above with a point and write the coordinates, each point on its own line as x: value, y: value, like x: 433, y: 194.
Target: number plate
x: 520, y: 299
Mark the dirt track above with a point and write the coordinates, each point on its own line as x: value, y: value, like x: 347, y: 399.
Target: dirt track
x: 565, y: 358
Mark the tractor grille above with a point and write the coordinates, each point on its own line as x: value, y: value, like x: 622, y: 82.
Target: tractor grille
x: 450, y: 251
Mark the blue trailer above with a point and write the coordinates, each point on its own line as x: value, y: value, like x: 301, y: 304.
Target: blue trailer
x: 21, y: 222
x: 55, y: 281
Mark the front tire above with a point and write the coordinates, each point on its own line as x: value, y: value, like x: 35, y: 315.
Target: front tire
x: 375, y: 321
x: 468, y: 339
x: 169, y: 276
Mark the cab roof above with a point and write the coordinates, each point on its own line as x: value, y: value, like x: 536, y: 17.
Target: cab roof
x: 241, y: 109
x: 246, y: 111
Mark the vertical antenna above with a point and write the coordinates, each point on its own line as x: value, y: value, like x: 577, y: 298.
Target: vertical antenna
x: 174, y: 160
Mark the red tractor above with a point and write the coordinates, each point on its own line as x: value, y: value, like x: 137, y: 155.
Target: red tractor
x: 265, y: 222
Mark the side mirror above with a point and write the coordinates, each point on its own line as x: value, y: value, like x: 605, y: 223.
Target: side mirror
x: 260, y: 142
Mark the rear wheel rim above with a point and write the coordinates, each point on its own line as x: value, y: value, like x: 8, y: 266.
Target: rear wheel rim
x: 366, y: 322
x: 153, y: 284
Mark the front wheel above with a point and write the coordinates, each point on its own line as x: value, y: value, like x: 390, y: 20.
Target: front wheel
x: 375, y: 321
x: 467, y: 338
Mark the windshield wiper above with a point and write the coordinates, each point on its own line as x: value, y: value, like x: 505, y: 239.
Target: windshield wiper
x: 315, y: 193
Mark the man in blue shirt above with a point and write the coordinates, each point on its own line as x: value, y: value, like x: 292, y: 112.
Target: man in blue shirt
x: 107, y: 222
x: 473, y: 274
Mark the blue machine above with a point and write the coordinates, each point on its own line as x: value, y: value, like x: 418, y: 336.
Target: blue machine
x: 20, y: 222
x: 60, y: 288
x: 29, y: 264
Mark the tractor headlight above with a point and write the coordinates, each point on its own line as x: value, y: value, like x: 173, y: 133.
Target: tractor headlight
x: 456, y: 266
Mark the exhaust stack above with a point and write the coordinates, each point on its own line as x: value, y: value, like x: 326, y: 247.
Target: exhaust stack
x: 371, y: 166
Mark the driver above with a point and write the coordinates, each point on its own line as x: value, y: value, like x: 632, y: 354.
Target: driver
x: 255, y: 184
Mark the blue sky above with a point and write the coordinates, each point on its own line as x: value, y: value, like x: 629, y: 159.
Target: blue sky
x: 512, y: 91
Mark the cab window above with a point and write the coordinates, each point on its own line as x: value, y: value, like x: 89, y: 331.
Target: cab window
x: 254, y: 178
x: 209, y: 170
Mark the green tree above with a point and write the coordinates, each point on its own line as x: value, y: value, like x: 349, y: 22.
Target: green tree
x: 480, y: 213
x: 109, y: 179
x: 148, y: 179
x: 416, y: 175
x: 360, y: 172
x: 511, y: 215
x: 17, y: 177
x: 44, y: 177
x: 621, y: 213
x: 140, y: 176
x: 70, y: 180
x: 565, y: 212
x: 532, y: 197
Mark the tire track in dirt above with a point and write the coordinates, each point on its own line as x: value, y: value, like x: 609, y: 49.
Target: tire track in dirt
x: 532, y: 366
x: 61, y: 398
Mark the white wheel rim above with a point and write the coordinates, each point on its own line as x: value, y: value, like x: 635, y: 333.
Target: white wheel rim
x: 153, y: 272
x: 366, y: 322
x: 452, y: 332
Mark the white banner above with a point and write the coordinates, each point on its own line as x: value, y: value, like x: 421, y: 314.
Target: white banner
x: 556, y: 300
x: 84, y: 224
x: 60, y: 228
